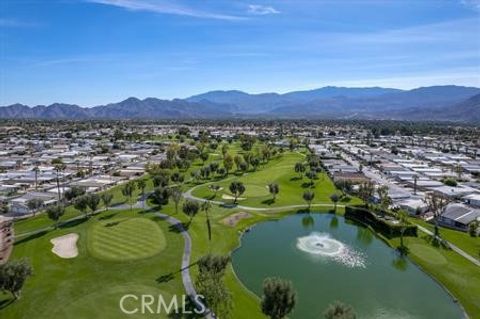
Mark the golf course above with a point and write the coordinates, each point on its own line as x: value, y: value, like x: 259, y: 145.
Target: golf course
x: 136, y: 251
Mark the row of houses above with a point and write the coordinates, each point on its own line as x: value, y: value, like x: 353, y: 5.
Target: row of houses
x: 412, y: 172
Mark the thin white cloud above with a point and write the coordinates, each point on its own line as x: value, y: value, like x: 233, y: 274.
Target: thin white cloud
x: 165, y: 7
x: 261, y: 10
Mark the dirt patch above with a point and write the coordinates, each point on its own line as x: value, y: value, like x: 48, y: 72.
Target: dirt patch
x: 233, y: 220
x: 65, y: 246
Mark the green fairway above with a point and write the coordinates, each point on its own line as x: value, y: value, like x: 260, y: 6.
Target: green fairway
x: 428, y: 254
x: 279, y: 170
x: 90, y: 287
x: 460, y: 276
x: 125, y: 239
x: 123, y: 251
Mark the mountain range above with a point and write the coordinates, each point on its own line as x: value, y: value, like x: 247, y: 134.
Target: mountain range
x: 443, y: 103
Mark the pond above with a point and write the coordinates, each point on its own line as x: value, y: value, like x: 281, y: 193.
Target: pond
x: 328, y: 258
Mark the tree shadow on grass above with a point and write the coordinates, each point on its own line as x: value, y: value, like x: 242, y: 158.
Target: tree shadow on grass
x: 5, y: 303
x: 73, y: 223
x: 179, y: 228
x: 308, y: 185
x: 295, y: 178
x: 228, y: 205
x: 32, y: 236
x: 269, y: 201
x: 436, y: 242
x: 165, y: 278
x: 112, y: 224
x: 171, y: 275
x: 109, y: 216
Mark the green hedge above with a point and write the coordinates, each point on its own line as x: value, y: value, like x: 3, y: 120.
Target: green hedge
x: 363, y: 215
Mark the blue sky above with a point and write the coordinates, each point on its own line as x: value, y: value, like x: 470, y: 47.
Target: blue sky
x: 90, y: 52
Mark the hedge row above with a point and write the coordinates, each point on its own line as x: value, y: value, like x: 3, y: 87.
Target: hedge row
x: 362, y: 215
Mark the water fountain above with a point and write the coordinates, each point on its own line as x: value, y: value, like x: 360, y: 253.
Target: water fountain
x: 323, y: 245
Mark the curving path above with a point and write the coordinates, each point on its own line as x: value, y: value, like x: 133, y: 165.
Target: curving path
x: 453, y: 247
x: 188, y: 195
x: 186, y: 279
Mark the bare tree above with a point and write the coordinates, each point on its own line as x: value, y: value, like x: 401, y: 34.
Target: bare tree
x: 436, y: 205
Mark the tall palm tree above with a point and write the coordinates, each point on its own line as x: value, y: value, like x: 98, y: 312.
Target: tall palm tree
x: 36, y: 170
x: 205, y: 208
x: 59, y: 167
x: 308, y: 196
x: 142, y: 184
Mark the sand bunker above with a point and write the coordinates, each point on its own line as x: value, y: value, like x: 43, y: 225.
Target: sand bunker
x: 233, y: 220
x: 225, y: 196
x: 65, y: 246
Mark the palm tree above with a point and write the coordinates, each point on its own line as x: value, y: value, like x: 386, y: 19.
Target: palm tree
x: 237, y: 189
x: 93, y: 200
x: 436, y: 205
x: 334, y: 198
x: 34, y: 204
x: 190, y: 208
x: 385, y: 199
x: 59, y: 166
x: 36, y: 170
x: 224, y: 150
x: 205, y: 208
x: 300, y: 168
x: 55, y: 212
x: 279, y: 298
x: 403, y: 218
x: 215, y: 188
x: 308, y: 196
x: 311, y: 176
x: 176, y: 195
x: 274, y: 189
x: 106, y: 199
x: 81, y: 204
x: 142, y: 184
x: 127, y: 191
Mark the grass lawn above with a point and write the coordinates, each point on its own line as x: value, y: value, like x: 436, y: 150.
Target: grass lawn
x: 463, y: 240
x: 87, y: 286
x: 134, y: 252
x: 122, y: 239
x: 457, y: 274
x: 279, y: 170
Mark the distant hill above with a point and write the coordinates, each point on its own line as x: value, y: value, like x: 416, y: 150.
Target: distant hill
x: 265, y: 102
x: 329, y: 92
x: 131, y: 108
x: 465, y: 111
x: 453, y: 103
x: 243, y: 102
x: 381, y: 106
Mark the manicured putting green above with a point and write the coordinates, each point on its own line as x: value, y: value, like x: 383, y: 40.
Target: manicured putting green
x: 125, y: 239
